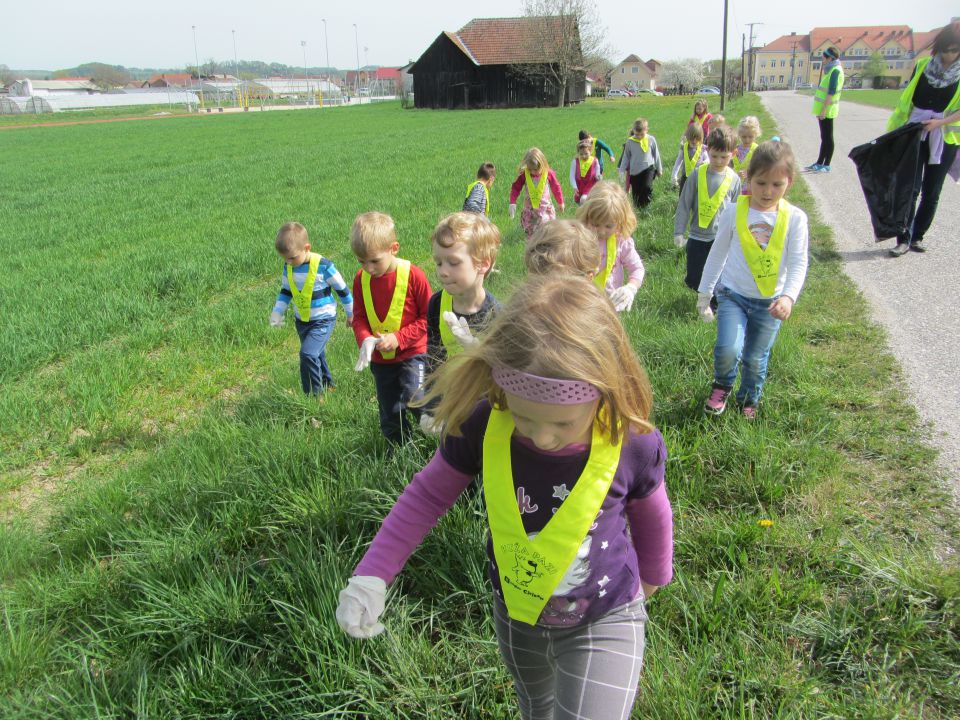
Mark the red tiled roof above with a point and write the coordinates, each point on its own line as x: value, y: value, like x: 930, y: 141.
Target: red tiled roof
x: 873, y: 36
x: 785, y: 43
x: 923, y: 40
x: 632, y: 59
x: 387, y: 73
x: 507, y: 41
x: 173, y: 78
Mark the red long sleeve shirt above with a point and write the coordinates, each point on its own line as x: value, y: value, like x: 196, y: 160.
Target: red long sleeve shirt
x: 412, y: 335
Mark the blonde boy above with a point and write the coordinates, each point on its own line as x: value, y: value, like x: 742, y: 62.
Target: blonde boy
x: 309, y: 281
x: 390, y: 320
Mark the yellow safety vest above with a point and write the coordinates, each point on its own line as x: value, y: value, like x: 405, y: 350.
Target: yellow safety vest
x: 449, y: 340
x: 601, y: 278
x: 585, y: 169
x: 951, y: 133
x: 739, y: 165
x: 486, y: 195
x: 690, y: 163
x: 764, y: 264
x: 820, y: 96
x: 707, y: 204
x: 644, y: 142
x: 594, y: 149
x: 303, y: 297
x: 535, y: 192
x: 530, y: 570
x: 391, y: 323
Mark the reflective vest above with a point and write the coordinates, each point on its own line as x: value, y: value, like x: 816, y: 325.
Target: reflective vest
x: 530, y: 570
x: 303, y: 298
x: 644, y: 142
x: 690, y: 163
x: 601, y: 278
x: 391, y: 323
x: 740, y: 165
x: 535, y: 192
x: 764, y: 264
x: 585, y: 168
x: 449, y: 340
x: 951, y: 133
x: 821, y: 94
x: 707, y: 204
x: 486, y: 195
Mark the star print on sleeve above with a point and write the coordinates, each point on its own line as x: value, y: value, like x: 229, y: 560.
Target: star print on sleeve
x: 561, y: 492
x: 604, y: 545
x: 603, y: 581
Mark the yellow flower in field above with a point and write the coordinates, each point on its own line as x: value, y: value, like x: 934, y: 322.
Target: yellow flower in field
x: 765, y: 523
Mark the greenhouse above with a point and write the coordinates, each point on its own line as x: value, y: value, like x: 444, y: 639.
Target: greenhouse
x: 46, y: 104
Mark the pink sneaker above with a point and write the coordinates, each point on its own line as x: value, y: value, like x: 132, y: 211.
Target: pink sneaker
x: 749, y: 412
x: 717, y: 402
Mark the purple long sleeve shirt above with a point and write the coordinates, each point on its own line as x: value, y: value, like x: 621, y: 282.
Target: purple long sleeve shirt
x: 631, y: 539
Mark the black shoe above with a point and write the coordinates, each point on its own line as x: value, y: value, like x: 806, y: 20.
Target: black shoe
x: 918, y: 246
x: 900, y: 249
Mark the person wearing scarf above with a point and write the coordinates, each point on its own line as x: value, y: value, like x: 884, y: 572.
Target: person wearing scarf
x: 932, y: 97
x: 826, y: 105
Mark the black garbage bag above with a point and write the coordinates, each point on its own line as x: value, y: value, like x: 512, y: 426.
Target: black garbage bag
x: 887, y: 168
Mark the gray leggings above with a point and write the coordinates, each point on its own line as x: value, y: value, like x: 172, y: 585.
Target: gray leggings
x: 586, y: 672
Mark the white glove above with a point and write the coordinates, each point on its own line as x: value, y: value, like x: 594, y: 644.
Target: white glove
x: 460, y: 329
x: 276, y: 319
x: 513, y: 210
x: 703, y: 307
x: 361, y: 604
x: 366, y: 352
x: 622, y: 297
x: 429, y: 425
x: 679, y: 240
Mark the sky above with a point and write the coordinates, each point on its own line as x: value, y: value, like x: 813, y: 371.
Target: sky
x: 53, y: 35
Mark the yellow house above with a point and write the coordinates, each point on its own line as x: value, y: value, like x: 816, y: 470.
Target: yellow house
x: 635, y: 74
x: 794, y: 60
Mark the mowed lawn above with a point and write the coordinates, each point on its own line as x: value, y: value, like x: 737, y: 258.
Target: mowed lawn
x: 179, y: 519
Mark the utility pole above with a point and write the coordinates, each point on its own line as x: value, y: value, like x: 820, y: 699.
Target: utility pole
x: 196, y: 57
x: 723, y: 59
x: 750, y: 60
x: 326, y: 44
x: 743, y: 59
x: 793, y: 60
x: 356, y: 40
x: 306, y: 92
x: 236, y: 65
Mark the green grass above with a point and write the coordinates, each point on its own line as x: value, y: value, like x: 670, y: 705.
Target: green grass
x: 180, y: 518
x: 877, y: 98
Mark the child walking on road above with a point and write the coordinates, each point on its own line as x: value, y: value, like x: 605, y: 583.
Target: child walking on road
x: 553, y: 408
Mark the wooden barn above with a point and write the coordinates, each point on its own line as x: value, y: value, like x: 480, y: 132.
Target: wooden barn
x: 501, y: 62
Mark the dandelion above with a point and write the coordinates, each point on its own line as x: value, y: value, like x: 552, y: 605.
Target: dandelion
x: 765, y: 523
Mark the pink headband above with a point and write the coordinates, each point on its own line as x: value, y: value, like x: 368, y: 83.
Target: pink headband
x: 550, y: 391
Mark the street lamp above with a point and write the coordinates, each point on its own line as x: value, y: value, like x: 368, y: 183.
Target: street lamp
x: 303, y: 44
x: 357, y: 41
x: 326, y: 44
x: 196, y: 57
x: 236, y: 65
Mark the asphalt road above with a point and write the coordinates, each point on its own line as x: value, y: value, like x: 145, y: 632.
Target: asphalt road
x: 916, y: 298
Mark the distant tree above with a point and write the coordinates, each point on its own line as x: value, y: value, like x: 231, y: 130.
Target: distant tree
x: 6, y: 76
x: 102, y: 75
x: 686, y: 73
x: 574, y: 34
x: 875, y: 67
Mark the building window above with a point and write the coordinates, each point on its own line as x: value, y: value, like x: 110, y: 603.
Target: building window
x: 623, y: 70
x: 801, y: 63
x: 815, y: 66
x: 783, y: 63
x: 635, y: 70
x: 781, y: 78
x: 900, y: 65
x: 763, y: 64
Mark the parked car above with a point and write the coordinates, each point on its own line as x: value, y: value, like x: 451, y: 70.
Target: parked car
x: 804, y: 86
x: 709, y: 90
x: 618, y: 93
x: 648, y: 91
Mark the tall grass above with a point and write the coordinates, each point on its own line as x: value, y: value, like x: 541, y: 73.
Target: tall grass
x: 180, y: 518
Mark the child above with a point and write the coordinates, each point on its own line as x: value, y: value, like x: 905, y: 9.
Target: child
x: 748, y: 131
x: 584, y: 172
x: 478, y: 193
x: 692, y: 154
x: 702, y: 201
x: 702, y: 117
x: 562, y: 247
x: 609, y: 215
x: 718, y: 120
x: 597, y: 148
x: 309, y: 280
x: 390, y: 320
x: 757, y: 266
x: 553, y: 407
x: 465, y: 247
x: 641, y: 161
x: 539, y: 181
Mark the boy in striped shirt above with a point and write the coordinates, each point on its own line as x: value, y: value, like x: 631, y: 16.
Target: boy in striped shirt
x: 309, y: 281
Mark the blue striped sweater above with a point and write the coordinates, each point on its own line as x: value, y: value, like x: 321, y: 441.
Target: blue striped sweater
x: 328, y: 281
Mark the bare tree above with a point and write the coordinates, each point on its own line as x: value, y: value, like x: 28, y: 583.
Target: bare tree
x: 683, y: 74
x: 564, y: 32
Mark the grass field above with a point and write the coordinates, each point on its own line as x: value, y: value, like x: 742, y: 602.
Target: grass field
x: 877, y: 98
x: 179, y: 518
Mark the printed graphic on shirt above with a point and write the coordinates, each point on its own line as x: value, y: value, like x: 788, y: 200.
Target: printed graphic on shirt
x: 761, y: 232
x: 524, y: 502
x: 559, y: 610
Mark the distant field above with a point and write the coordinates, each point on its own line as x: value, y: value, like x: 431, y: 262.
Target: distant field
x: 179, y: 518
x: 878, y: 98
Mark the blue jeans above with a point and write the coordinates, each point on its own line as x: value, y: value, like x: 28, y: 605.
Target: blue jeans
x: 315, y: 374
x: 746, y: 332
